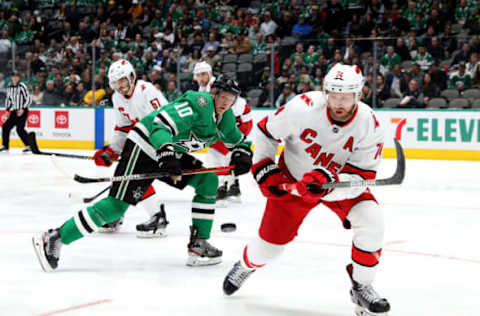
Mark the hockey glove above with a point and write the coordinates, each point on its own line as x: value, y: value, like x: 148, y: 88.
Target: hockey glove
x: 241, y: 160
x: 105, y: 156
x: 168, y: 162
x: 310, y: 185
x: 268, y: 176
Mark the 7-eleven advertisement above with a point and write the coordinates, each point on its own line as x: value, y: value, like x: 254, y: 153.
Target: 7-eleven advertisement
x: 434, y: 134
x: 58, y: 127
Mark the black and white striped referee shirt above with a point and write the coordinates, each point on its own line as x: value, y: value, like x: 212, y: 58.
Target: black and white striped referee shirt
x: 18, y: 97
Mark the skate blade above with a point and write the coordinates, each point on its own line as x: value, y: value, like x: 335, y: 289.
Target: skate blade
x: 40, y: 252
x: 362, y: 311
x: 235, y: 199
x: 108, y: 230
x: 160, y: 233
x: 221, y: 204
x: 195, y: 261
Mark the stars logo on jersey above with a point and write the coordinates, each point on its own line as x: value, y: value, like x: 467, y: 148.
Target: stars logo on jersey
x: 202, y: 101
x: 192, y: 144
x: 137, y: 193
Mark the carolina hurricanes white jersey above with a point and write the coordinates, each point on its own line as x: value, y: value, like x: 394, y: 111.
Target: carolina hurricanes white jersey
x: 208, y: 86
x: 352, y: 149
x: 144, y: 99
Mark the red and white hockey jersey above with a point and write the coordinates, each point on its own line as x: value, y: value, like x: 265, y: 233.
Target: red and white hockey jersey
x: 144, y: 99
x: 352, y: 149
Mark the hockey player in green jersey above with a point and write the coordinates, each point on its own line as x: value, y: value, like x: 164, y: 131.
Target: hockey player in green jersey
x: 160, y: 142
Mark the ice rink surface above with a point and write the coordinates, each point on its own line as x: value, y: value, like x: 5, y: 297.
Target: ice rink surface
x: 430, y: 263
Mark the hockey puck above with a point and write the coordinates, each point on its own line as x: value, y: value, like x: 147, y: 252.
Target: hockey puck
x: 228, y: 227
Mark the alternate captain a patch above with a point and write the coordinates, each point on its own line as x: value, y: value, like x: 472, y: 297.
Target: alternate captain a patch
x: 202, y: 101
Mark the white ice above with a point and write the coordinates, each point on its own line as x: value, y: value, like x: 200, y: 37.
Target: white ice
x: 430, y: 263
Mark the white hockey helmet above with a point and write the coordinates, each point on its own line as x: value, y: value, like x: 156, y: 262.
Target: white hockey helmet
x: 344, y: 79
x: 122, y: 68
x: 202, y: 66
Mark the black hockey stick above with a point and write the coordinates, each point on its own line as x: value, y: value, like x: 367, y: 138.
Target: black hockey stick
x: 397, y: 177
x: 88, y: 199
x: 146, y: 176
x: 47, y: 153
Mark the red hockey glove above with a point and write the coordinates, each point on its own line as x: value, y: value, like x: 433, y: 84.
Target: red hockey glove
x: 103, y: 157
x: 268, y: 176
x: 313, y: 193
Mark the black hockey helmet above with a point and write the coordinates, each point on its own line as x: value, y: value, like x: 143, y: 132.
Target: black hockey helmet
x: 226, y: 83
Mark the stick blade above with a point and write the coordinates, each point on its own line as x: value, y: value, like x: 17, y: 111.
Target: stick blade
x: 81, y: 179
x: 399, y: 175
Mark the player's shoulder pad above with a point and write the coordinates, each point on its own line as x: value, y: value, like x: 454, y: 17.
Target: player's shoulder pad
x: 240, y: 101
x: 144, y: 86
x: 308, y: 101
x: 368, y: 115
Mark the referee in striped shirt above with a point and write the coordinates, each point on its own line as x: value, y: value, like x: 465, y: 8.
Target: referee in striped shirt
x: 16, y: 105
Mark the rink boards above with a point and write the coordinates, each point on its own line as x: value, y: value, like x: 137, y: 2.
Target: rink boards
x: 451, y: 134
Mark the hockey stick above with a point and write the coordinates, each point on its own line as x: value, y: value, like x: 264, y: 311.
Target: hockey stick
x: 396, y: 178
x: 76, y: 197
x: 46, y: 153
x: 146, y: 176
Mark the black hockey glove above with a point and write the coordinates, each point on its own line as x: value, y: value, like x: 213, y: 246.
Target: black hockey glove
x: 168, y: 162
x: 241, y: 160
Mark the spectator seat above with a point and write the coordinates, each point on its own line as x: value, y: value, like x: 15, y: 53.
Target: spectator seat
x: 476, y: 104
x: 245, y: 58
x: 254, y: 93
x: 471, y: 94
x: 391, y: 102
x: 450, y: 94
x: 229, y: 67
x: 229, y: 58
x: 244, y: 74
x: 459, y: 103
x: 437, y: 103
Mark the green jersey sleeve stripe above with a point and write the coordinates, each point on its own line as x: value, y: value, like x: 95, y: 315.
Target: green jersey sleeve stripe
x: 168, y: 122
x: 141, y: 140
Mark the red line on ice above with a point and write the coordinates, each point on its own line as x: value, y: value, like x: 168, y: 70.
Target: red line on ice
x: 68, y: 309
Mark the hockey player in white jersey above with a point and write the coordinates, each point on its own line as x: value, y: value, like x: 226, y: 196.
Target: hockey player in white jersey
x: 132, y: 100
x: 329, y: 136
x: 218, y: 154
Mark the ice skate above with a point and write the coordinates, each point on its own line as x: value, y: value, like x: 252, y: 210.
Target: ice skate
x: 155, y: 227
x: 200, y: 252
x: 367, y: 301
x: 3, y: 149
x: 47, y: 248
x: 222, y: 195
x: 235, y: 278
x: 112, y: 226
x: 33, y: 147
x: 234, y: 193
x: 27, y: 150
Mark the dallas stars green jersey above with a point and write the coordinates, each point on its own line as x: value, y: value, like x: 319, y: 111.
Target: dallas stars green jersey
x: 190, y: 124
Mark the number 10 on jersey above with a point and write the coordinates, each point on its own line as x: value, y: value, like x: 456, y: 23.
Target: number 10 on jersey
x: 183, y: 109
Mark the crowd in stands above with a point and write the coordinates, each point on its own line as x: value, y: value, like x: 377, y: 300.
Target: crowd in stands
x: 409, y: 51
